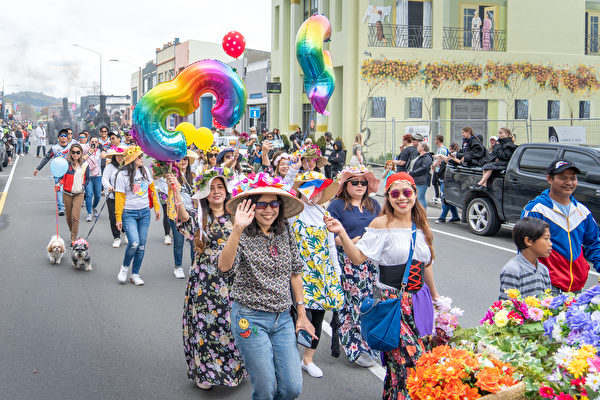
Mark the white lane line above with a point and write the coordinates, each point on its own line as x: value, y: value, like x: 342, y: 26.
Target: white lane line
x: 488, y: 244
x: 376, y: 369
x: 7, y: 185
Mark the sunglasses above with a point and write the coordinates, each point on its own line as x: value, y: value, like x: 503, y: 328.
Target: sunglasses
x: 82, y: 137
x: 406, y: 192
x: 62, y: 135
x: 211, y: 155
x: 75, y: 152
x: 261, y: 205
x: 361, y: 183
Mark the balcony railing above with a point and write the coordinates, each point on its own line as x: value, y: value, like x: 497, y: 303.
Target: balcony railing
x: 387, y: 35
x: 592, y: 45
x: 466, y: 39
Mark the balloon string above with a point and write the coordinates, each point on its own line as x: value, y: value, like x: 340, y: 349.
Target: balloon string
x: 310, y: 118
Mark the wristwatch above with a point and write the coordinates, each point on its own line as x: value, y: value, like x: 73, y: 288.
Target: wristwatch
x: 299, y: 303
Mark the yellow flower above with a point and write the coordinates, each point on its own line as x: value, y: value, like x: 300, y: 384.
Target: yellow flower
x: 512, y: 293
x: 532, y: 301
x: 501, y: 318
x: 577, y: 367
x: 585, y: 352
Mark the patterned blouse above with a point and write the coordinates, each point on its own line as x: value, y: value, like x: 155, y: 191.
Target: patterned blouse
x: 263, y: 267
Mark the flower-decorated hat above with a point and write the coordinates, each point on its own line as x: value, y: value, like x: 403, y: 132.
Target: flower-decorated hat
x: 119, y: 150
x: 263, y: 183
x: 203, y: 180
x: 351, y: 171
x: 213, y: 149
x: 311, y: 183
x: 132, y: 153
x: 311, y: 151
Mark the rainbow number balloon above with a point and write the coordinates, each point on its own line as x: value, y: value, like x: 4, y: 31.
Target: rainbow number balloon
x: 181, y: 96
x: 319, y: 80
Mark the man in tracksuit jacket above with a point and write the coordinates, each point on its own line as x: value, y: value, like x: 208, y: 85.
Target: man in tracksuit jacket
x: 61, y: 149
x: 573, y: 230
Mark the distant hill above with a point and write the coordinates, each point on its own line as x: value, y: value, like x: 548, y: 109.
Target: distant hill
x: 37, y: 100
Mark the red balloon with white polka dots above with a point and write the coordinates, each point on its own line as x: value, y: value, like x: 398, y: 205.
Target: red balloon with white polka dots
x: 234, y: 44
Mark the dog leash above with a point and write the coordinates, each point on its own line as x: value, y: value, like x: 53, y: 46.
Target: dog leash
x: 96, y: 220
x: 56, y: 198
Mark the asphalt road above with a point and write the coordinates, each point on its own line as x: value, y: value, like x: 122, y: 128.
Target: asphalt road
x: 69, y: 334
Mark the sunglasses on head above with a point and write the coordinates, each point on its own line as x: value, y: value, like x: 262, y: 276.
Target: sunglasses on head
x: 406, y: 192
x: 261, y: 205
x: 75, y: 152
x: 361, y: 183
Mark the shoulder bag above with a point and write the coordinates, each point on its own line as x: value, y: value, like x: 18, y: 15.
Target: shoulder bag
x: 380, y: 320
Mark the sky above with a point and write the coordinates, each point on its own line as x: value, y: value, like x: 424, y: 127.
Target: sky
x: 37, y: 37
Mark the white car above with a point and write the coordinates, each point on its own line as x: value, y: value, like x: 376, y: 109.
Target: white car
x: 232, y: 141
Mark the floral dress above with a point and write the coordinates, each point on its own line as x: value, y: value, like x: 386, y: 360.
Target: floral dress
x: 210, y: 352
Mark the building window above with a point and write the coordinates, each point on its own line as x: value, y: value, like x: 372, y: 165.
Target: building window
x: 521, y: 109
x: 377, y: 107
x: 415, y: 109
x: 553, y: 109
x: 584, y: 109
x: 160, y: 77
x: 276, y: 32
x: 338, y: 15
x: 311, y: 7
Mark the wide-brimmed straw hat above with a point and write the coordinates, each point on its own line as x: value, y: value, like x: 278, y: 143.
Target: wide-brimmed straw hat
x: 131, y: 153
x: 204, y: 179
x: 263, y: 183
x: 351, y: 171
x: 192, y: 154
x: 331, y: 186
x: 119, y: 150
x: 312, y: 151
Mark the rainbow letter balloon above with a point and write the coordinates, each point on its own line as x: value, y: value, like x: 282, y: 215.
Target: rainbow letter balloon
x: 319, y: 80
x: 181, y: 96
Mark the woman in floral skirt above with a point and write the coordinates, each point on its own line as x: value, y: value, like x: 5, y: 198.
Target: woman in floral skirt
x: 387, y: 242
x: 210, y: 352
x: 355, y: 209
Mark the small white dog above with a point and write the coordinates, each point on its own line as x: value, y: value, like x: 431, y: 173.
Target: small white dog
x: 81, y: 256
x: 56, y: 249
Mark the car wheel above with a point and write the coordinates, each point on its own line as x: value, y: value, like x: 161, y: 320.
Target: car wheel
x: 482, y: 217
x: 5, y: 163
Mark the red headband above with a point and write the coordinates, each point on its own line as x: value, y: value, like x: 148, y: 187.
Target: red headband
x: 398, y: 176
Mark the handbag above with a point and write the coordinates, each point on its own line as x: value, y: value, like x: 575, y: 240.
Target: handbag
x: 380, y: 320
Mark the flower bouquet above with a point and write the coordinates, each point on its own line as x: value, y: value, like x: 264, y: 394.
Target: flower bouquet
x: 516, y: 315
x: 450, y: 373
x: 161, y: 168
x: 243, y: 137
x: 445, y: 319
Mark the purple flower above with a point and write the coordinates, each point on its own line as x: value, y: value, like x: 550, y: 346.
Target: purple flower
x: 558, y: 301
x: 549, y: 326
x: 488, y: 317
x: 577, y: 320
x: 588, y: 295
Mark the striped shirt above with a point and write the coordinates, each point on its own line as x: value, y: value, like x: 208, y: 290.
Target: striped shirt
x: 519, y: 273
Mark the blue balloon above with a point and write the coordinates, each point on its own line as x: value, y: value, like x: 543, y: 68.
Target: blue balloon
x: 59, y: 166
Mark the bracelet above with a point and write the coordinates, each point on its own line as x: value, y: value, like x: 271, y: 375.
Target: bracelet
x: 299, y: 303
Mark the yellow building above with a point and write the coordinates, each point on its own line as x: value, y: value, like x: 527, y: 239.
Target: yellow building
x: 536, y: 42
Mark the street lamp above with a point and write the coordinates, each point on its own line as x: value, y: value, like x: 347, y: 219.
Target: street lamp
x: 140, y: 90
x: 100, y: 54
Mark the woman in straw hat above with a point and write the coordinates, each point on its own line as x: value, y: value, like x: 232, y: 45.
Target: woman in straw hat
x: 311, y: 158
x: 355, y: 209
x: 185, y: 178
x: 263, y: 254
x: 208, y: 343
x: 114, y: 156
x: 134, y: 191
x: 388, y: 242
x: 321, y: 270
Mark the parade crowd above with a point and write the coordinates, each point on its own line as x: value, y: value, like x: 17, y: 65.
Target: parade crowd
x: 279, y: 235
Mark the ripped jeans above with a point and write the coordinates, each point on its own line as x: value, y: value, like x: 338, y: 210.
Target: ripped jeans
x: 135, y: 224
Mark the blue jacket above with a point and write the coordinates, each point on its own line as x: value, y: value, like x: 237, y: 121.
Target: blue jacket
x: 574, y: 239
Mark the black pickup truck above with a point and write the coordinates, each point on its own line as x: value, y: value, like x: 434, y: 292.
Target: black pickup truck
x: 525, y: 177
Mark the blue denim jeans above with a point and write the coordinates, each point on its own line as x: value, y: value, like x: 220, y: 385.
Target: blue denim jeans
x: 178, y: 244
x: 59, y: 195
x: 421, y: 191
x: 447, y: 207
x: 93, y: 191
x: 270, y: 352
x: 19, y: 148
x: 135, y: 223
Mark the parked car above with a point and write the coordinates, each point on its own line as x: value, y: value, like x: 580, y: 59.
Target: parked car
x: 525, y: 178
x: 3, y: 156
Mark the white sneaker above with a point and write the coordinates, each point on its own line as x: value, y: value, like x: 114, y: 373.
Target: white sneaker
x: 312, y: 370
x: 136, y: 280
x: 122, y: 277
x: 365, y: 360
x: 96, y: 213
x: 167, y: 240
x: 89, y: 218
x: 125, y: 240
x: 179, y: 274
x: 116, y: 243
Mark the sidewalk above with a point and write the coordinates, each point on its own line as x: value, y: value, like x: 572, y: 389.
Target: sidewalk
x: 378, y: 171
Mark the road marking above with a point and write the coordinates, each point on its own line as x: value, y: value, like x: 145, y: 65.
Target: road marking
x: 7, y: 186
x: 376, y: 369
x: 489, y: 245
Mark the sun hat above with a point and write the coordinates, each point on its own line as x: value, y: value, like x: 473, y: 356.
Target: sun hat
x: 204, y: 179
x: 281, y: 157
x: 350, y: 171
x: 399, y: 176
x: 310, y: 179
x: 119, y: 150
x: 311, y: 151
x: 221, y: 154
x: 192, y: 154
x: 264, y: 183
x: 131, y: 153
